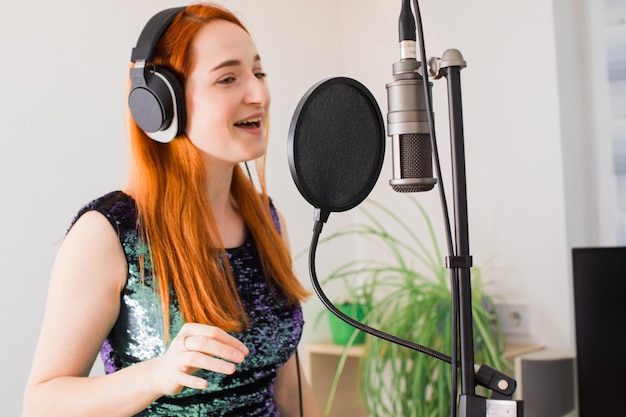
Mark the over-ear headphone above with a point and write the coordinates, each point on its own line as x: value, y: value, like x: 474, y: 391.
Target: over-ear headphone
x: 156, y: 98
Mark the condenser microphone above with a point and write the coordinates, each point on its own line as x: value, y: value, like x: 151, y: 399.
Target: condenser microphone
x: 407, y: 117
x: 336, y: 145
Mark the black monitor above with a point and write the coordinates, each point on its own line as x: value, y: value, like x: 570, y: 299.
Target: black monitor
x: 600, y: 313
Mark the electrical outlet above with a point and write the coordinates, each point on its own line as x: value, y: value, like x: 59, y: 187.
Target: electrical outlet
x: 513, y: 319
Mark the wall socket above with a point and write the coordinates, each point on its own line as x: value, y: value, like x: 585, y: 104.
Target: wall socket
x: 513, y: 319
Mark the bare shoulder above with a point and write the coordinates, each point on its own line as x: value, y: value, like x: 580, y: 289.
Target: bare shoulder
x: 92, y: 245
x: 91, y: 221
x: 87, y: 277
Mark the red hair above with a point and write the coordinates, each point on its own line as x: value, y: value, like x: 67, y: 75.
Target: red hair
x: 168, y: 183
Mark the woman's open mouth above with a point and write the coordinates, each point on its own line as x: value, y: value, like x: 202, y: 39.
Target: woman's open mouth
x: 249, y: 124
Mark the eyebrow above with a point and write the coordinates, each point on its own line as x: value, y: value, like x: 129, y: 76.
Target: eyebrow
x: 234, y: 63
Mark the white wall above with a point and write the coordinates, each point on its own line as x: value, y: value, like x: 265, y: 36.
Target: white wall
x: 62, y: 109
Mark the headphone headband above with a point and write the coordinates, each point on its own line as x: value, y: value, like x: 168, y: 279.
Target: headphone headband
x: 152, y: 32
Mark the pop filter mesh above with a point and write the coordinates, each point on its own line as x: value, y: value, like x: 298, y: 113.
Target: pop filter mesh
x: 336, y: 144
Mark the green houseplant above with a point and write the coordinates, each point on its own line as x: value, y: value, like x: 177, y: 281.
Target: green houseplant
x: 408, y: 289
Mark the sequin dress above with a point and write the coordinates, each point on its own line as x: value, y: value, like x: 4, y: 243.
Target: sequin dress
x: 137, y: 335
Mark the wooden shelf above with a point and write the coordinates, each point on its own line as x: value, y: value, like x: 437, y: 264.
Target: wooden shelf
x: 321, y: 363
x: 511, y: 351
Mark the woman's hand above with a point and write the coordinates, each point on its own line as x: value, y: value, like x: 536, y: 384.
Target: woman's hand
x: 198, y: 346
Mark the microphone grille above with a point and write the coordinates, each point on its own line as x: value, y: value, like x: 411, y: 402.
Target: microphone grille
x: 416, y: 156
x: 416, y: 168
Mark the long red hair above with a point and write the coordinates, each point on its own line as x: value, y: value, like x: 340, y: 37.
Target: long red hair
x: 168, y: 183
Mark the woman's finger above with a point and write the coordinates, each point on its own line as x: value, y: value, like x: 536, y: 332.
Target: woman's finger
x: 213, y: 333
x: 213, y: 347
x: 197, y: 360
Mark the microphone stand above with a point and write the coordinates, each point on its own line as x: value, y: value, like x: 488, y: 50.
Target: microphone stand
x: 470, y: 405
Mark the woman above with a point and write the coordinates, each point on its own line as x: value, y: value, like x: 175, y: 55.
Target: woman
x: 182, y: 281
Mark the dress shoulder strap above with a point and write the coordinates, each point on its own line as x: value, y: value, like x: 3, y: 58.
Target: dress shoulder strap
x: 118, y: 207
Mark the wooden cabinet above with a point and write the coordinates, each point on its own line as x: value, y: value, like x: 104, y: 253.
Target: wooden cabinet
x: 321, y: 360
x: 320, y: 365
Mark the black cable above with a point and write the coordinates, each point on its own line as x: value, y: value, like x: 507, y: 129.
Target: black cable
x: 299, y: 384
x: 454, y: 290
x: 444, y: 207
x: 248, y: 170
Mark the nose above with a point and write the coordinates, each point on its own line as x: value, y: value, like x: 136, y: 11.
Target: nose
x: 257, y: 92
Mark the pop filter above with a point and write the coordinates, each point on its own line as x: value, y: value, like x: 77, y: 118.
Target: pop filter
x: 336, y: 144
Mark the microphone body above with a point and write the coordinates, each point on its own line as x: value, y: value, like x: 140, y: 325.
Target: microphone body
x: 408, y: 127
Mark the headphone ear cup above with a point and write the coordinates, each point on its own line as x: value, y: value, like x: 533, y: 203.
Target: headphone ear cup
x: 179, y: 98
x: 158, y: 105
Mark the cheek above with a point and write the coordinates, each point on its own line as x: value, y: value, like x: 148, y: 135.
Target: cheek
x: 203, y: 120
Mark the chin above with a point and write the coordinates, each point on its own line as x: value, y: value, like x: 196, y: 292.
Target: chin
x: 257, y: 152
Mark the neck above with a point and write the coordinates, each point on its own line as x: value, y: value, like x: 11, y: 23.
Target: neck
x: 228, y: 219
x: 218, y: 189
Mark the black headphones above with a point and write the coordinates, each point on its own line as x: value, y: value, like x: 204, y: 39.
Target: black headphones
x: 156, y: 99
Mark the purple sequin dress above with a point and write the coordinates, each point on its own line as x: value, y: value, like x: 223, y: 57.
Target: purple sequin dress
x: 137, y: 335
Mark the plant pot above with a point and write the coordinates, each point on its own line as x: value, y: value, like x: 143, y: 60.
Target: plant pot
x: 342, y: 331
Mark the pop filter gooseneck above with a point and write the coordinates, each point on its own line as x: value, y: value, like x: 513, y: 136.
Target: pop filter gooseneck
x: 335, y: 149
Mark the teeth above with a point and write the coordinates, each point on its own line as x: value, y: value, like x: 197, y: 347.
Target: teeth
x: 249, y: 121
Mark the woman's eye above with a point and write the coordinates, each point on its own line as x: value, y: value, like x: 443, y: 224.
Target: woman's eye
x: 260, y: 75
x: 226, y: 80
